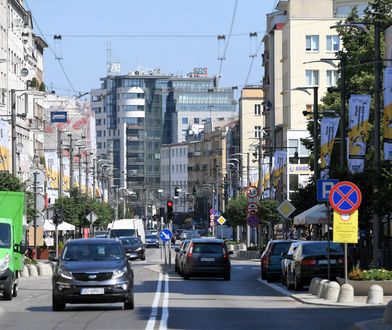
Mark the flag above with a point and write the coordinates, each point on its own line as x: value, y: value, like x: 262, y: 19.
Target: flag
x: 388, y: 113
x: 328, y: 130
x: 52, y: 169
x: 4, y: 146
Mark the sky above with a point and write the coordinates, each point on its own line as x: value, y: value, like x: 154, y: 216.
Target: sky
x: 175, y: 36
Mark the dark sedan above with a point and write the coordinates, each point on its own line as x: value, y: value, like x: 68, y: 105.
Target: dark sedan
x: 92, y: 271
x: 133, y: 247
x: 310, y: 260
x: 152, y: 240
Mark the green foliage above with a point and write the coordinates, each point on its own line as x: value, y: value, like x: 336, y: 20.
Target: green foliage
x: 268, y: 211
x: 235, y: 213
x: 373, y: 274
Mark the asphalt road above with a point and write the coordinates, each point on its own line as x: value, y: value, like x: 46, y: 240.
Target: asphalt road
x: 166, y: 301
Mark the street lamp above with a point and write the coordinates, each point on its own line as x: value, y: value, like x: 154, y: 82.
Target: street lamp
x: 247, y: 165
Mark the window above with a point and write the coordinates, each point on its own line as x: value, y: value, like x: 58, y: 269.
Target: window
x: 196, y: 120
x: 333, y: 43
x: 184, y: 120
x: 312, y: 43
x: 98, y: 122
x: 258, y: 131
x: 257, y: 109
x: 332, y: 78
x: 312, y: 77
x: 99, y: 133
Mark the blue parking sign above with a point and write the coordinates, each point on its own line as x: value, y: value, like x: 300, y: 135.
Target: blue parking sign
x: 323, y: 189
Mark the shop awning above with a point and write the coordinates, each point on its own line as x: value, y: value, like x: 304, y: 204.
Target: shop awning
x: 316, y: 215
x: 49, y: 226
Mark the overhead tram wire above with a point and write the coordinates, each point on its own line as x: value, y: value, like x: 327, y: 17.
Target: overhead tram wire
x: 252, y: 56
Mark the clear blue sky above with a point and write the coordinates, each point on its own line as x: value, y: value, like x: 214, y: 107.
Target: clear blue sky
x: 87, y: 28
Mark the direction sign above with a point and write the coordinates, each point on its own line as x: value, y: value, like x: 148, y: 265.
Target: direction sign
x: 252, y: 220
x: 286, y: 208
x: 252, y: 192
x: 165, y: 235
x: 345, y: 197
x: 324, y: 188
x: 252, y: 207
x: 92, y: 217
x: 221, y: 220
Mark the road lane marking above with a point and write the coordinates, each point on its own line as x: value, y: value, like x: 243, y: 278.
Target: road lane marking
x: 154, y: 307
x: 165, y: 305
x: 275, y: 287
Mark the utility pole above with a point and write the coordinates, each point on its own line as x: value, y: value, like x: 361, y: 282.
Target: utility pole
x: 94, y: 169
x: 260, y: 166
x: 60, y: 154
x: 342, y: 112
x: 86, y: 179
x: 35, y: 213
x: 315, y: 133
x: 71, y: 156
x: 13, y: 130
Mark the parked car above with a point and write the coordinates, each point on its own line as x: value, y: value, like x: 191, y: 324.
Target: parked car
x: 271, y: 258
x: 92, y: 271
x: 206, y: 256
x: 152, y: 240
x: 310, y: 260
x: 287, y: 259
x: 133, y: 247
x: 177, y: 233
x: 180, y: 252
x: 190, y: 234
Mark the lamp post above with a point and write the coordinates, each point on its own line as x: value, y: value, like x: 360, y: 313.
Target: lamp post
x: 247, y: 165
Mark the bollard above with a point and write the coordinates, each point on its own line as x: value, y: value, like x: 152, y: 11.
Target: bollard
x: 44, y: 270
x: 346, y: 294
x: 312, y: 283
x: 316, y: 285
x: 24, y: 272
x: 332, y: 291
x: 324, y: 289
x: 387, y: 319
x: 320, y: 288
x: 32, y: 270
x: 375, y: 295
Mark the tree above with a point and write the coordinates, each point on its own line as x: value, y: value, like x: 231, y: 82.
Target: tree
x: 235, y: 212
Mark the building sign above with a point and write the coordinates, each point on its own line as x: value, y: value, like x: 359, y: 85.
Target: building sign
x: 58, y: 116
x: 200, y: 72
x: 299, y: 169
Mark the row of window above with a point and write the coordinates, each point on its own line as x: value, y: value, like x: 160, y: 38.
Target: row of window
x: 175, y: 152
x: 203, y: 98
x: 313, y: 43
x: 312, y: 77
x: 177, y: 169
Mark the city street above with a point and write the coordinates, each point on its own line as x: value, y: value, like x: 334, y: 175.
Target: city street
x: 167, y: 301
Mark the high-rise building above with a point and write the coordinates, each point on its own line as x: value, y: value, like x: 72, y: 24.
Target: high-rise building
x: 138, y: 112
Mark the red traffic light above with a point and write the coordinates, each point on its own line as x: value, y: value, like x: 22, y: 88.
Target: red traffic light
x: 170, y: 204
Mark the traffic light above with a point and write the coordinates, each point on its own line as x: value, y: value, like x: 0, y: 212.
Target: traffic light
x: 169, y: 210
x: 176, y: 192
x: 58, y: 216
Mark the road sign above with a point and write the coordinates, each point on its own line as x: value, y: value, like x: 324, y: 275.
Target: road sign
x: 165, y: 235
x: 221, y: 220
x: 345, y: 227
x: 286, y: 208
x: 252, y: 220
x: 345, y: 197
x: 324, y: 188
x: 252, y: 192
x: 252, y: 207
x: 40, y: 203
x: 92, y: 217
x: 58, y: 116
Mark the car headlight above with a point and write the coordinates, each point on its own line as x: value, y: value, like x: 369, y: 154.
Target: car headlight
x: 119, y: 272
x: 65, y: 274
x: 4, y: 263
x: 139, y: 249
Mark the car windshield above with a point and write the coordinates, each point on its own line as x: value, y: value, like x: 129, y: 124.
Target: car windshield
x: 278, y: 248
x: 321, y: 248
x: 92, y: 251
x: 130, y: 240
x: 5, y: 235
x: 207, y: 248
x: 151, y: 236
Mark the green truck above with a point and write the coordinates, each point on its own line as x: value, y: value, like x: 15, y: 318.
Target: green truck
x: 12, y: 241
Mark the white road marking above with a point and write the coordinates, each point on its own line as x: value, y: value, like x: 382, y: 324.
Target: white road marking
x: 276, y: 287
x: 154, y: 308
x: 165, y: 305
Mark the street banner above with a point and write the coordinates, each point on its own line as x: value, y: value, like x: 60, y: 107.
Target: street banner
x: 328, y: 129
x: 345, y: 227
x: 266, y: 176
x: 388, y: 113
x: 280, y: 159
x: 65, y: 174
x: 52, y: 169
x: 4, y: 146
x: 358, y: 132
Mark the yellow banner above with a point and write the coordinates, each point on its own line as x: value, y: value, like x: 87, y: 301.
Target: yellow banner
x: 328, y: 129
x: 388, y: 113
x: 4, y: 146
x: 52, y: 169
x: 345, y: 227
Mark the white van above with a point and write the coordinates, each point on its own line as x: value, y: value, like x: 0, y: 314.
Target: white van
x: 127, y: 227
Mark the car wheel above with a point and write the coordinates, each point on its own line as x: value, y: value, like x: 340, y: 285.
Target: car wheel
x: 143, y: 258
x: 15, y: 290
x: 57, y: 304
x: 283, y: 279
x: 288, y: 284
x: 268, y: 277
x: 130, y: 303
x: 297, y: 284
x: 186, y: 275
x: 226, y: 276
x: 7, y: 293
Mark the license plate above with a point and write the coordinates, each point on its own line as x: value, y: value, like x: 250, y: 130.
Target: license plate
x: 325, y: 262
x: 92, y: 291
x: 207, y: 259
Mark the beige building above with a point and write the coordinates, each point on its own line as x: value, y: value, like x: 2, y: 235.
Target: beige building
x: 298, y: 35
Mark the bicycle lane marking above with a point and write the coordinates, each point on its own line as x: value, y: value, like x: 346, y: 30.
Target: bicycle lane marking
x: 154, y: 307
x: 165, y: 305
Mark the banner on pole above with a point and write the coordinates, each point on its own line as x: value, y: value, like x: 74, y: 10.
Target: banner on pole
x: 328, y: 129
x: 4, y: 146
x: 388, y: 113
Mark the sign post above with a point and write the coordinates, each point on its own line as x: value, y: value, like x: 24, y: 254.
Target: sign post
x: 286, y: 209
x: 345, y: 198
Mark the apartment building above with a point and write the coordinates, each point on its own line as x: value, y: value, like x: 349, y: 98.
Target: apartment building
x: 299, y: 34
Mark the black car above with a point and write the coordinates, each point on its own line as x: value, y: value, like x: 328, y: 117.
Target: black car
x: 133, y: 247
x: 310, y: 260
x: 93, y: 270
x: 206, y: 256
